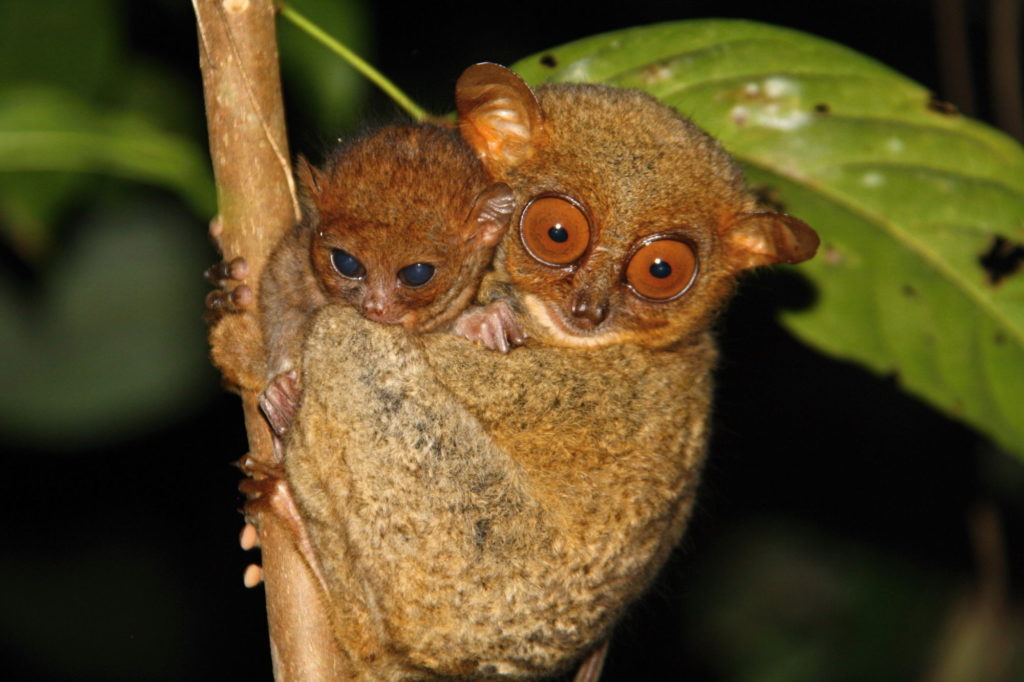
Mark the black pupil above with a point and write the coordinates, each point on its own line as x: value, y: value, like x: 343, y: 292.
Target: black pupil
x: 558, y: 233
x: 416, y: 274
x: 347, y: 264
x: 661, y: 269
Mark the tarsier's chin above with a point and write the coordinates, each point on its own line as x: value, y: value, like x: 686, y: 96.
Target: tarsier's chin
x: 483, y: 516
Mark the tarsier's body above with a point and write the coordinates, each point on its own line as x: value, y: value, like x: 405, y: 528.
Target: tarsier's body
x: 485, y: 516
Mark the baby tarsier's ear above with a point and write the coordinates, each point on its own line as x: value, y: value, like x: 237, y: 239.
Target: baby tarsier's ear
x: 491, y: 213
x: 310, y: 179
x: 754, y: 239
x: 498, y: 115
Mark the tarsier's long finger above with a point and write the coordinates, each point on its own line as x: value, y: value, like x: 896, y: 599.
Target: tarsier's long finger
x: 497, y: 339
x: 249, y: 538
x: 253, y: 575
x: 227, y: 271
x: 252, y: 466
x: 513, y: 330
x: 280, y: 401
x: 220, y: 302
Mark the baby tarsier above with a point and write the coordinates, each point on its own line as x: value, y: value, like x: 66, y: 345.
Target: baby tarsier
x: 400, y: 224
x: 476, y: 515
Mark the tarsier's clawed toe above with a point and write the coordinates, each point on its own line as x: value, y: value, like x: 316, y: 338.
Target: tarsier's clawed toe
x: 280, y: 400
x: 221, y: 302
x: 230, y: 296
x: 220, y: 274
x: 258, y: 492
x: 493, y: 326
x: 253, y: 575
x: 267, y: 493
x: 250, y: 539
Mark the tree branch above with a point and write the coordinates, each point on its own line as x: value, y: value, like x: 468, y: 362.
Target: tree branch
x: 257, y: 203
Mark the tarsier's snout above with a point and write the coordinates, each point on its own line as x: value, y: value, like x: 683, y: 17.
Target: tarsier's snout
x: 589, y: 308
x: 377, y: 306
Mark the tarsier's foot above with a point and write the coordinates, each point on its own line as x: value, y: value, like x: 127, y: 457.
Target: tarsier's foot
x: 493, y: 326
x: 268, y: 494
x: 258, y: 494
x: 229, y: 296
x: 280, y: 400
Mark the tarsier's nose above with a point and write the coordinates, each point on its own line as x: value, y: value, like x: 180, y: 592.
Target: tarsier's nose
x: 590, y: 308
x: 374, y: 308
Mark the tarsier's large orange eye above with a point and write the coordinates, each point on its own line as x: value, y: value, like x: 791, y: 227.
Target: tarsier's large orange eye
x: 662, y: 268
x: 555, y: 230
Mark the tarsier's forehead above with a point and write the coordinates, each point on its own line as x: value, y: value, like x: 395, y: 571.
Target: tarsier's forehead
x: 405, y: 241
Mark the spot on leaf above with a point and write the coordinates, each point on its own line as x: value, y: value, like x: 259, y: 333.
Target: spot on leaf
x: 1002, y: 260
x: 822, y: 108
x: 833, y: 256
x: 549, y: 61
x: 656, y: 73
x: 941, y: 107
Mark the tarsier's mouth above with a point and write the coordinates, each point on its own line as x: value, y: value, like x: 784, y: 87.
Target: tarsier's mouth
x: 555, y: 323
x: 386, y: 317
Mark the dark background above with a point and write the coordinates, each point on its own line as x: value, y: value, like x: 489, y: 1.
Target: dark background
x: 845, y: 531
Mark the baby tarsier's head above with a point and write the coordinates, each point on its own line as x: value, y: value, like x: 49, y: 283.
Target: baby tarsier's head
x: 631, y: 224
x: 404, y: 222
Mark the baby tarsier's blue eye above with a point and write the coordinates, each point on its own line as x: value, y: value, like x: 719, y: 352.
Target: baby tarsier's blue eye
x: 347, y: 264
x: 416, y: 274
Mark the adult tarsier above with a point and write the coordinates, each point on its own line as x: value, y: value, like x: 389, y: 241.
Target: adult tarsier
x: 478, y: 515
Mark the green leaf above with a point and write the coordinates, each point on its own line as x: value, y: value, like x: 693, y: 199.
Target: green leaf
x: 94, y: 354
x: 907, y: 197
x: 44, y: 131
x: 73, y: 44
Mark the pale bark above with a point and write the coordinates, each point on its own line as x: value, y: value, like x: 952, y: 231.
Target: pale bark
x: 255, y: 189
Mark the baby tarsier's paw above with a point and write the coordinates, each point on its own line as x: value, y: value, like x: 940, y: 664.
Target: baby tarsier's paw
x: 493, y: 326
x: 224, y: 299
x: 280, y: 401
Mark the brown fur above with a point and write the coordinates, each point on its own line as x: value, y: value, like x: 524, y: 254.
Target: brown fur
x: 400, y: 195
x: 481, y: 515
x: 485, y: 516
x: 639, y: 169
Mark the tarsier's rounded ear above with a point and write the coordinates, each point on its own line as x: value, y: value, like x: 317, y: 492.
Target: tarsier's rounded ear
x: 489, y: 218
x: 310, y: 179
x: 754, y: 239
x: 498, y: 115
